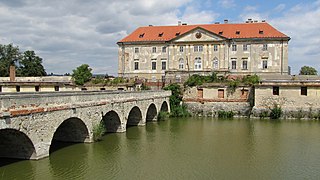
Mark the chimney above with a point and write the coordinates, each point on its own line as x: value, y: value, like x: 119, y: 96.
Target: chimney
x: 226, y: 21
x: 217, y: 23
x: 179, y: 23
x: 12, y: 73
x: 184, y: 24
x: 263, y: 21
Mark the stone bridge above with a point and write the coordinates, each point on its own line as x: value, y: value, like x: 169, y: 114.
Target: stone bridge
x: 31, y: 122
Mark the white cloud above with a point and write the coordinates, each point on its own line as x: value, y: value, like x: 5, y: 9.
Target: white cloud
x: 69, y: 33
x: 280, y: 8
x: 227, y: 3
x: 302, y: 24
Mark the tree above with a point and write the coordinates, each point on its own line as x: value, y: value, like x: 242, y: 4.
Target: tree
x: 307, y: 70
x: 82, y: 74
x: 9, y: 55
x: 31, y: 65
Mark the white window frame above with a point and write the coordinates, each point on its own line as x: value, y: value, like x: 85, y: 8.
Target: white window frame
x: 153, y: 61
x: 198, y: 63
x: 264, y: 64
x: 181, y: 49
x: 234, y: 47
x: 215, y: 63
x: 215, y: 47
x: 136, y: 50
x: 265, y: 47
x: 163, y: 61
x: 136, y: 64
x: 233, y: 63
x: 181, y: 63
x: 244, y: 64
x: 245, y: 47
x: 154, y: 49
x: 164, y: 49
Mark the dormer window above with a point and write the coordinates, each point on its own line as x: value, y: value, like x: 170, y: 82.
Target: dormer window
x: 260, y: 31
x: 177, y: 33
x: 141, y: 35
x: 221, y: 32
x: 237, y: 32
x: 160, y: 34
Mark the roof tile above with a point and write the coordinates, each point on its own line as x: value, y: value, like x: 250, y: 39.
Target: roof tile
x: 247, y: 30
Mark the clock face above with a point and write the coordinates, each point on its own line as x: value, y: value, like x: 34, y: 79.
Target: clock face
x: 198, y: 35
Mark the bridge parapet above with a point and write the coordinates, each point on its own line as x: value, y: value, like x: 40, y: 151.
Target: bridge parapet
x: 13, y: 104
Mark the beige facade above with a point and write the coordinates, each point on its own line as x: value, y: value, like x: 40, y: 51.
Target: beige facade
x: 202, y: 52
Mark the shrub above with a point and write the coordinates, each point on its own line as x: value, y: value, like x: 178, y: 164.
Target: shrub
x: 225, y: 114
x: 98, y: 131
x: 163, y: 115
x: 180, y: 111
x: 276, y: 112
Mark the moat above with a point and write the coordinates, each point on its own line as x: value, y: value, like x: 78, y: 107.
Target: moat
x: 188, y: 148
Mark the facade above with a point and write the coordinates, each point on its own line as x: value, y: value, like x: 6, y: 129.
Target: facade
x: 173, y: 53
x: 298, y: 96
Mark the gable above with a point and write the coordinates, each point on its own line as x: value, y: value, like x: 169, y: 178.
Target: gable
x: 197, y: 35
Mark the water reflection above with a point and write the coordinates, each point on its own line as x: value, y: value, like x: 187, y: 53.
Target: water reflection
x: 193, y: 148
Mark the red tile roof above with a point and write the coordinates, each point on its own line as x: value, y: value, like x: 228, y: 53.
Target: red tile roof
x: 229, y: 31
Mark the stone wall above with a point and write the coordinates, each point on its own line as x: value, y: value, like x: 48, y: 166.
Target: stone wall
x: 241, y: 109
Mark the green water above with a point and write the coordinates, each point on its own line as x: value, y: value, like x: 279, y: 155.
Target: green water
x: 191, y: 148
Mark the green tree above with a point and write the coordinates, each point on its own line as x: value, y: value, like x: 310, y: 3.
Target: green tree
x: 307, y: 70
x: 9, y: 55
x: 82, y: 74
x: 31, y: 65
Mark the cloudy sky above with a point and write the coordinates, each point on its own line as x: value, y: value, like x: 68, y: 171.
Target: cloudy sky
x: 69, y: 33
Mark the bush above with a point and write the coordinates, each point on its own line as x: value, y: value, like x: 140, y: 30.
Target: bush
x: 225, y: 114
x: 98, y: 131
x: 180, y: 111
x: 197, y: 80
x: 276, y: 112
x: 163, y: 115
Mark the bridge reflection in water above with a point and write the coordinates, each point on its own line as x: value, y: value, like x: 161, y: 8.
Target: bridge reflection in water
x: 31, y: 124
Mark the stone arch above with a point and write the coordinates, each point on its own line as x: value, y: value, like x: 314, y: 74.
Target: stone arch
x: 151, y: 113
x: 72, y: 130
x: 215, y: 63
x: 164, y: 107
x: 111, y: 121
x: 134, y: 117
x: 15, y: 144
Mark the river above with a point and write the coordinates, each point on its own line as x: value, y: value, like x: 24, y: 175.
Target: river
x: 187, y: 148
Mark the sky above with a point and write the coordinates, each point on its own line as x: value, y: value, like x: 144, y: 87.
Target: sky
x: 66, y: 34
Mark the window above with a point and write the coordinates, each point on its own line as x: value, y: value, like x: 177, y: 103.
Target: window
x: 260, y: 32
x: 221, y: 93
x: 102, y: 89
x: 198, y: 48
x: 181, y: 63
x: 17, y: 88
x: 153, y: 79
x: 153, y: 65
x: 163, y: 78
x: 178, y: 78
x: 237, y: 32
x: 244, y: 64
x: 234, y: 47
x: 304, y: 91
x: 136, y: 50
x: 233, y: 64
x: 141, y: 35
x: 245, y: 47
x: 154, y: 49
x: 275, y: 90
x: 37, y: 88
x: 136, y: 64
x: 265, y: 47
x: 264, y: 64
x: 56, y: 88
x: 215, y: 47
x: 200, y: 93
x: 0, y: 88
x: 215, y: 64
x: 181, y: 48
x: 197, y: 63
x: 163, y: 65
x: 221, y: 32
x: 84, y: 89
x: 164, y: 49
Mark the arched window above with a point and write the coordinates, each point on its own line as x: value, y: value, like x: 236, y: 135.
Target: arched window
x: 215, y: 63
x: 197, y: 63
x: 181, y: 63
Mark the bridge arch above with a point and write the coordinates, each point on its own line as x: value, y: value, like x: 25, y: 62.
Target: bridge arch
x: 151, y: 113
x: 111, y: 121
x: 134, y: 117
x: 16, y: 144
x: 71, y: 130
x: 164, y: 107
